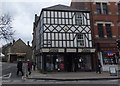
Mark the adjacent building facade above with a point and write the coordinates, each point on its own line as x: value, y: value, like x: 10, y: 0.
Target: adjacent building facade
x: 105, y: 25
x: 17, y: 50
x: 62, y: 39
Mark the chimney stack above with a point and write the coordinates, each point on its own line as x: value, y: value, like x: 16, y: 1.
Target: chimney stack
x: 28, y: 43
x: 13, y: 41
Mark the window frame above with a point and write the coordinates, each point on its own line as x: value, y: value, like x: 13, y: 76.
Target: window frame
x: 108, y: 30
x: 78, y: 18
x: 105, y: 8
x: 80, y: 40
x: 98, y: 8
x: 119, y: 8
x: 100, y: 30
x: 102, y: 8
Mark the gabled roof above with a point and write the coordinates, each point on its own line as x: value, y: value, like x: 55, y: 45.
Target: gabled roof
x: 19, y: 40
x: 60, y: 7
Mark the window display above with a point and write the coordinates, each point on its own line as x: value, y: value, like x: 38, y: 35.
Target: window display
x: 54, y: 62
x: 110, y: 58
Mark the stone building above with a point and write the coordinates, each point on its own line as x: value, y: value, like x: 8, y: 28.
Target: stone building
x: 17, y: 50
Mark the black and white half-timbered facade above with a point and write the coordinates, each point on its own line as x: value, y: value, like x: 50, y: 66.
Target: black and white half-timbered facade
x: 63, y: 39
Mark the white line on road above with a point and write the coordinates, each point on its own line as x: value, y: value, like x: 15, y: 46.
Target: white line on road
x: 7, y: 76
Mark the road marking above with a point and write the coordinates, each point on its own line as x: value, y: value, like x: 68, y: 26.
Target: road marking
x: 5, y: 81
x: 7, y: 76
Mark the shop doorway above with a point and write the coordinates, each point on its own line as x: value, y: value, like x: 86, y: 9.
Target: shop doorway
x: 74, y: 63
x: 84, y: 63
x: 70, y: 62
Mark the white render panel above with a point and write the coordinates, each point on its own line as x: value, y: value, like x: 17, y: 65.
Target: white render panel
x: 44, y: 13
x: 68, y: 44
x: 60, y: 43
x: 73, y: 20
x: 90, y: 36
x: 53, y: 43
x: 69, y: 39
x: 61, y: 50
x: 71, y: 50
x: 52, y: 14
x: 64, y: 43
x: 79, y: 50
x: 45, y: 50
x: 55, y: 14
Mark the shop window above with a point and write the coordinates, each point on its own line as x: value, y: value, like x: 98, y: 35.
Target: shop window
x: 49, y: 63
x: 110, y: 58
x: 54, y: 63
x: 59, y: 63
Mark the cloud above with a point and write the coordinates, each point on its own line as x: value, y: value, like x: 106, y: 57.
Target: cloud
x: 23, y: 13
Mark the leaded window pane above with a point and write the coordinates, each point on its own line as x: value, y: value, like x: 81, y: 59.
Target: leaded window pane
x: 78, y: 18
x: 80, y: 40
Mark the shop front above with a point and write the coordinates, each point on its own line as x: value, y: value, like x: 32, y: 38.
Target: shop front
x: 67, y: 61
x: 110, y: 59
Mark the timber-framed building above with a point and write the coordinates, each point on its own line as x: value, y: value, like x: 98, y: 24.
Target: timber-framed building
x: 62, y: 39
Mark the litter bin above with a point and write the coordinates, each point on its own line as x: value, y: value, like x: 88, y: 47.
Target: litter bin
x: 112, y: 71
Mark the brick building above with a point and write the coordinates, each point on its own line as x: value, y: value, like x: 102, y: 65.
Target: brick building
x: 105, y: 23
x: 17, y: 50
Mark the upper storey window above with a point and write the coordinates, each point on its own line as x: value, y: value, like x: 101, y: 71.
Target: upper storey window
x: 108, y: 30
x: 98, y: 8
x: 119, y: 8
x: 78, y: 18
x: 81, y: 41
x: 101, y: 8
x: 100, y: 30
x: 105, y: 9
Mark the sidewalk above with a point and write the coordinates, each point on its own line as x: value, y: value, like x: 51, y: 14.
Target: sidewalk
x: 71, y: 76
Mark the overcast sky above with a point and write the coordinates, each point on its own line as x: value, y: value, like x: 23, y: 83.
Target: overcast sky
x: 23, y: 14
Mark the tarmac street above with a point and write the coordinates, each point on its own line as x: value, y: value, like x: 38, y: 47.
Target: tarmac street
x: 58, y: 78
x: 59, y: 85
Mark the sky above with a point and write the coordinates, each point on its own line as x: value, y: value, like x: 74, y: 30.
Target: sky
x: 23, y: 13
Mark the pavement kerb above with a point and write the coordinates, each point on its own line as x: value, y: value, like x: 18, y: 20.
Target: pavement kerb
x: 75, y: 79
x: 50, y: 76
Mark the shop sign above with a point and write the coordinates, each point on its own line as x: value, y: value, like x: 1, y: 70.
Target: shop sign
x: 53, y: 50
x: 71, y: 50
x: 85, y: 50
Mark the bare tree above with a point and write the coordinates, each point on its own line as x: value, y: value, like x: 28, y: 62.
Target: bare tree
x: 6, y: 31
